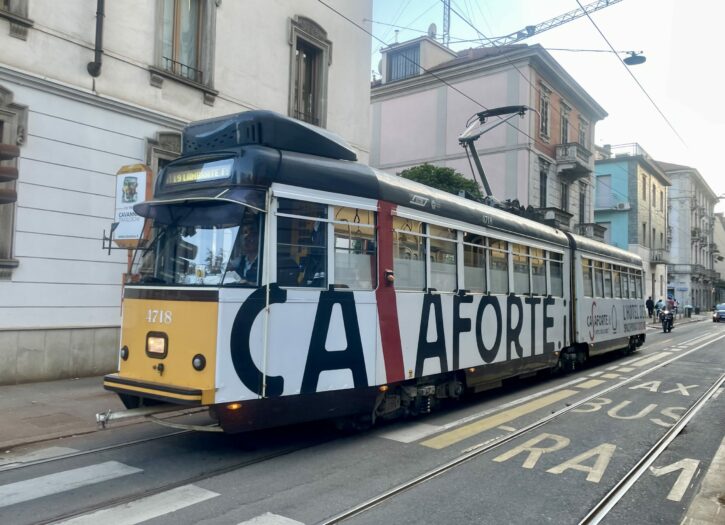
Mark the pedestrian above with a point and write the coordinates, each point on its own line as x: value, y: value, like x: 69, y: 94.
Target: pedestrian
x: 659, y: 305
x: 650, y: 304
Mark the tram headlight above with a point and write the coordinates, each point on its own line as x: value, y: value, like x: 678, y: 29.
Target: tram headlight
x: 198, y: 362
x: 124, y: 353
x: 157, y: 345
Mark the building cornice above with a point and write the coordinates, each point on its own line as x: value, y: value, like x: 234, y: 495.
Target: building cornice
x: 88, y: 97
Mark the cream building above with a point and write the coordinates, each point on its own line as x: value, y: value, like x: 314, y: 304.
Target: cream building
x: 89, y: 86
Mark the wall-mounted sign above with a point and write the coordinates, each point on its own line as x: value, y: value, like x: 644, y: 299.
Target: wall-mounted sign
x: 132, y: 186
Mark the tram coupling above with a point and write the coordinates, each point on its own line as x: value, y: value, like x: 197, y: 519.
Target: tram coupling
x: 153, y: 413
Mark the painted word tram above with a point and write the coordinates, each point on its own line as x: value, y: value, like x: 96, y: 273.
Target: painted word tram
x: 281, y: 281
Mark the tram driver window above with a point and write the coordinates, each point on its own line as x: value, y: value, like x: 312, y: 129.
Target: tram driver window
x: 301, y: 244
x: 355, y: 254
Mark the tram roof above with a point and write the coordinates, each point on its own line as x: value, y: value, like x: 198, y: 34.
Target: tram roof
x: 593, y: 247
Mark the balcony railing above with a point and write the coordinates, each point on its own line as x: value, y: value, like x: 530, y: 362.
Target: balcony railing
x: 573, y: 161
x: 182, y: 70
x: 592, y: 230
x: 660, y: 256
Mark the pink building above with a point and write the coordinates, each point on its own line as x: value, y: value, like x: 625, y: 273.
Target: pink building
x: 428, y: 92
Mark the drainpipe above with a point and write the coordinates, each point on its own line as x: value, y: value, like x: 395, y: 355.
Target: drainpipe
x: 94, y: 68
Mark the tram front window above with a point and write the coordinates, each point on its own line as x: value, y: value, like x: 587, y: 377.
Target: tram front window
x: 200, y: 250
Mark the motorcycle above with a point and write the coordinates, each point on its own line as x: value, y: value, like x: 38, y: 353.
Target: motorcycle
x: 668, y: 320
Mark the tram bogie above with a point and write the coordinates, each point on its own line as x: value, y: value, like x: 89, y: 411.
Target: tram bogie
x: 283, y: 282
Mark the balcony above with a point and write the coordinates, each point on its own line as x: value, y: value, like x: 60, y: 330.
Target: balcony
x: 555, y: 217
x: 592, y: 230
x: 659, y: 257
x: 573, y: 161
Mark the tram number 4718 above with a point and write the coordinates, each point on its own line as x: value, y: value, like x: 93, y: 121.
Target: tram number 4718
x: 594, y: 461
x: 159, y: 316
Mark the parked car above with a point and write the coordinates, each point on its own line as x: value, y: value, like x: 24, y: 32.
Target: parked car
x: 718, y: 313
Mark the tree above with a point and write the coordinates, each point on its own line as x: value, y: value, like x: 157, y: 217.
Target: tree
x: 446, y: 179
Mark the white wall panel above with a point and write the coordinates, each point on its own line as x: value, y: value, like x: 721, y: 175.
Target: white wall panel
x: 81, y: 272
x: 80, y: 134
x: 56, y: 247
x: 14, y: 317
x: 54, y: 223
x: 48, y: 173
x: 65, y: 295
x: 68, y: 201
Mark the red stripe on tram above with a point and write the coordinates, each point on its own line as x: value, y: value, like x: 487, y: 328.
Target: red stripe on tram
x: 385, y: 295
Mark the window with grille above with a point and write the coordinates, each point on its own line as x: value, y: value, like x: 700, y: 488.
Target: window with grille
x: 403, y: 63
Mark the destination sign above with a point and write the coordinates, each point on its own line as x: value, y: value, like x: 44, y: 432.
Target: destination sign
x: 216, y: 170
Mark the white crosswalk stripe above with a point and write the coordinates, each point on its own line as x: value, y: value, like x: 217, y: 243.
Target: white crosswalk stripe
x: 50, y: 484
x: 271, y: 519
x: 146, y: 508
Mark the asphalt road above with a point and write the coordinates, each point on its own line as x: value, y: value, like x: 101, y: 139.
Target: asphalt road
x: 617, y: 408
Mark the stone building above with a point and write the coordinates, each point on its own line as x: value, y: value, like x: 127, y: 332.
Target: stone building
x: 691, y: 275
x: 84, y: 92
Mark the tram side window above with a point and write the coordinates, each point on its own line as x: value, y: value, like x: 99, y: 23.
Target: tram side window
x: 522, y: 282
x: 587, y: 275
x: 556, y: 274
x: 499, y: 266
x: 474, y: 262
x: 638, y: 285
x: 632, y: 286
x: 538, y: 272
x: 355, y: 254
x: 408, y: 254
x: 598, y: 279
x: 442, y: 258
x: 625, y: 284
x: 607, y: 280
x: 301, y: 243
x: 617, y: 281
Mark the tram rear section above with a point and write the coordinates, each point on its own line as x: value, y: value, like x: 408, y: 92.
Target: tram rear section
x: 363, y: 296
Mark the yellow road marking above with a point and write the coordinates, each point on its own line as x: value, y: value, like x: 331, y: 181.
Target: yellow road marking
x: 454, y: 436
x: 625, y: 369
x: 610, y: 376
x: 651, y: 359
x: 592, y: 382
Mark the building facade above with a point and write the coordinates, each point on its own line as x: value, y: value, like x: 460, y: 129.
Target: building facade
x: 77, y: 111
x: 691, y: 273
x: 718, y: 257
x: 544, y: 159
x: 631, y: 202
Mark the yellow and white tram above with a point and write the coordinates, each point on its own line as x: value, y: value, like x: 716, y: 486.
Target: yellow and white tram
x: 360, y: 293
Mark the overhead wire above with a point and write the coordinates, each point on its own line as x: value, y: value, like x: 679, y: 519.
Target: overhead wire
x: 426, y: 70
x: 633, y: 77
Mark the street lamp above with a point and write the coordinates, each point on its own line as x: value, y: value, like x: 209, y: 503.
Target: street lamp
x: 635, y: 57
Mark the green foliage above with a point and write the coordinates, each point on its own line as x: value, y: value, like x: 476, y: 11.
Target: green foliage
x: 446, y: 179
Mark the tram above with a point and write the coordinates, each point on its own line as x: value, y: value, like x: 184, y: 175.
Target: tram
x: 361, y: 295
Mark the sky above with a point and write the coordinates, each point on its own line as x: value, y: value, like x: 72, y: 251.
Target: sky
x: 683, y: 73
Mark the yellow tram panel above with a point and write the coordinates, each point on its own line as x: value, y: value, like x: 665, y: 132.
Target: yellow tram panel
x: 189, y: 329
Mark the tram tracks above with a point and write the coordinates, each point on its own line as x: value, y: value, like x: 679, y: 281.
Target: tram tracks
x: 602, y: 507
x: 71, y: 516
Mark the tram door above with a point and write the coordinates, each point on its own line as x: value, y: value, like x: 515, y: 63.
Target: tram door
x: 323, y: 329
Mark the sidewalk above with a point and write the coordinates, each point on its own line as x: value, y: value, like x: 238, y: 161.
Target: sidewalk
x: 39, y: 411
x: 679, y: 321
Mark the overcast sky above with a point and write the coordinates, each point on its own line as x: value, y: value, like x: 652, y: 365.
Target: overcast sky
x: 683, y: 74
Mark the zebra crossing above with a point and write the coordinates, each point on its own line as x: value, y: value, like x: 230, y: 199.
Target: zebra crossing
x: 128, y: 513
